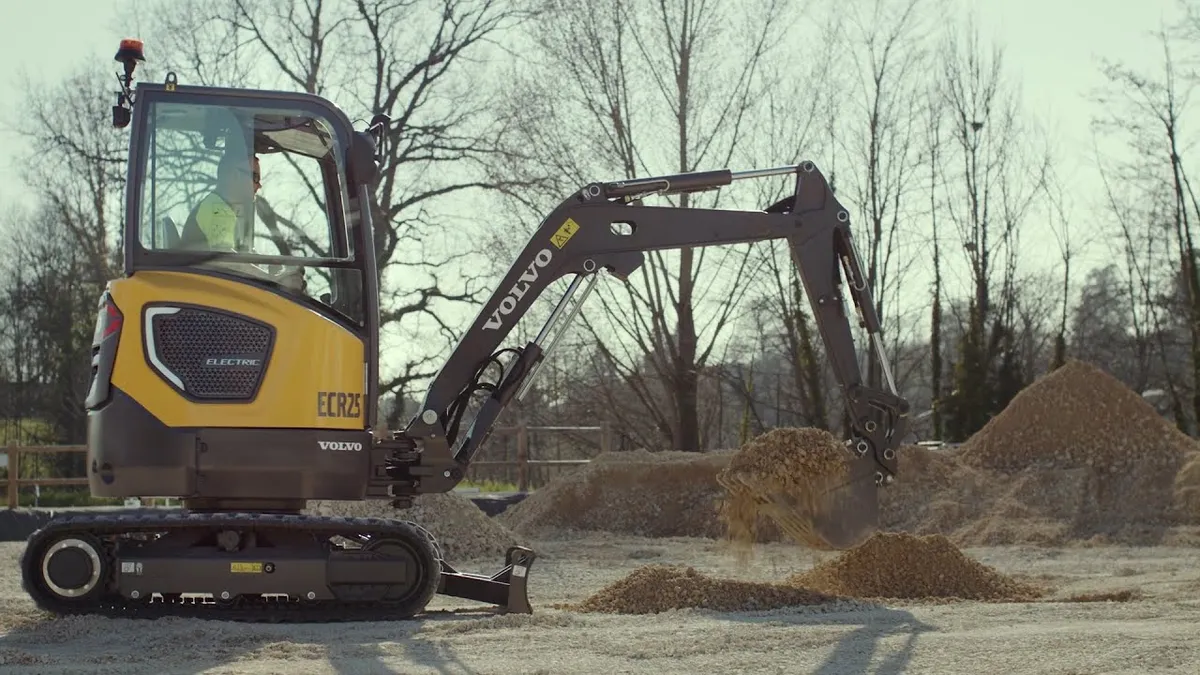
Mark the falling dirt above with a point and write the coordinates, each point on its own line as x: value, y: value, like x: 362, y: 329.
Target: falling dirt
x: 786, y: 475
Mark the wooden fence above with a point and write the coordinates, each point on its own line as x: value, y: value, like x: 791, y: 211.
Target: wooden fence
x: 523, y: 462
x: 14, y: 480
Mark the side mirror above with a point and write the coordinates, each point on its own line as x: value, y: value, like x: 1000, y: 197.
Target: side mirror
x: 361, y: 164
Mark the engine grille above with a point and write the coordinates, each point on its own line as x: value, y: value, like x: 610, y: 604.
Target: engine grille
x: 209, y: 354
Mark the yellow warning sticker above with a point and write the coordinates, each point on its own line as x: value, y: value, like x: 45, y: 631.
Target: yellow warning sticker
x: 246, y: 568
x: 564, y: 233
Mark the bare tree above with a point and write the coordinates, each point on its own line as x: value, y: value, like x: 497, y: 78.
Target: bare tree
x: 887, y: 44
x: 74, y: 163
x: 998, y: 184
x: 1147, y: 113
x: 933, y: 143
x: 1061, y: 225
x: 626, y: 88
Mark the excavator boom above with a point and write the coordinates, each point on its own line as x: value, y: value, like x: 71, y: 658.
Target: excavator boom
x: 606, y: 227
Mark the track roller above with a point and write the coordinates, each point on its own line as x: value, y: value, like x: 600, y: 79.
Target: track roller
x: 71, y: 567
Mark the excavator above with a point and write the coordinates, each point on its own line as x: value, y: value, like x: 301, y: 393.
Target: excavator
x: 235, y: 365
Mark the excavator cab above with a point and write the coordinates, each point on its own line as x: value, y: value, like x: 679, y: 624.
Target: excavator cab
x: 254, y: 186
x: 235, y: 364
x: 247, y: 307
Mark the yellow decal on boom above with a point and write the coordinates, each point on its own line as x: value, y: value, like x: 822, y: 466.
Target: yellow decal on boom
x: 245, y: 568
x: 564, y: 233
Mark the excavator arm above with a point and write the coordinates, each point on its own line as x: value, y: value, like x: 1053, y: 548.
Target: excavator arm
x: 606, y: 227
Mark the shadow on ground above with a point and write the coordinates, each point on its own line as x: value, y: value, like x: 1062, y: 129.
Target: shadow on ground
x: 192, y: 646
x: 855, y: 651
x: 187, y: 646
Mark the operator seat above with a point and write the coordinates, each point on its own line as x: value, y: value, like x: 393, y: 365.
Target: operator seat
x: 192, y: 236
x: 170, y: 233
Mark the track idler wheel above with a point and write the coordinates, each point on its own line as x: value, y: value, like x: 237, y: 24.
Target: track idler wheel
x: 420, y: 555
x: 70, y: 570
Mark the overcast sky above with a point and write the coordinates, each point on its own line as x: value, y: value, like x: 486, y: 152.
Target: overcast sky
x: 1052, y: 46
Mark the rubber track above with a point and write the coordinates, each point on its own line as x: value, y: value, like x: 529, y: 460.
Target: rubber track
x: 248, y: 609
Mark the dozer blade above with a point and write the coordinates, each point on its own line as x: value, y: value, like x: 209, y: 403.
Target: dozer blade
x: 826, y: 513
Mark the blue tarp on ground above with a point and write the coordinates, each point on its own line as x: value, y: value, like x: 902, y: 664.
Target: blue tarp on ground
x: 18, y: 524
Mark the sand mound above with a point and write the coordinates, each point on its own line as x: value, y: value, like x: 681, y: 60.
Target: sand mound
x: 900, y: 565
x: 801, y: 465
x: 1077, y: 416
x: 650, y: 494
x: 1082, y: 456
x: 887, y: 566
x: 660, y: 588
x: 463, y: 531
x: 1187, y: 489
x: 1075, y: 457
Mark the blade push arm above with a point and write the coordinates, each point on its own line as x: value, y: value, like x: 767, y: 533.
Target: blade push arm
x: 581, y: 237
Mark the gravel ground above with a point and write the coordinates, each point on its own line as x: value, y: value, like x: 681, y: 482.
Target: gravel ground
x: 1159, y: 632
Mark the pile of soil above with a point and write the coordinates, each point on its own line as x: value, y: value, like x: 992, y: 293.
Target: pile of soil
x: 904, y: 566
x: 1187, y: 488
x: 1076, y: 457
x: 1074, y: 417
x: 887, y: 566
x: 1080, y: 455
x: 649, y: 494
x: 462, y: 530
x: 802, y: 464
x: 661, y: 588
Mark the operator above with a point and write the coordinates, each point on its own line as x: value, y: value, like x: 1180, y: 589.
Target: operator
x: 214, y: 223
x: 221, y: 221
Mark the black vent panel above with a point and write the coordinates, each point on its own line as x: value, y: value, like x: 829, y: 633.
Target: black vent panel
x: 208, y: 354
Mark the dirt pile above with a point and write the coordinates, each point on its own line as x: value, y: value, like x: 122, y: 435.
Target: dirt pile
x: 801, y: 465
x: 888, y: 566
x: 1187, y: 489
x: 463, y: 531
x: 660, y: 588
x: 933, y: 494
x: 1077, y: 416
x: 650, y: 494
x: 1079, y: 449
x: 904, y: 566
x: 1075, y: 457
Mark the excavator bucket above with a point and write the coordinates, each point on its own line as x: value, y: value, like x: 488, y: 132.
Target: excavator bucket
x: 813, y: 488
x: 823, y: 512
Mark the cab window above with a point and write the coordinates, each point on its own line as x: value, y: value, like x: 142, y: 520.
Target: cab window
x: 239, y: 180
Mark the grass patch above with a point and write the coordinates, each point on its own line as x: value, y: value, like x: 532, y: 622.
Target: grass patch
x: 24, y: 432
x: 64, y: 497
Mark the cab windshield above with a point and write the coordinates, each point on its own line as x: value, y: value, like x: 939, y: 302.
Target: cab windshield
x: 253, y: 192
